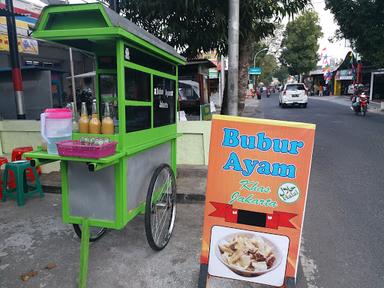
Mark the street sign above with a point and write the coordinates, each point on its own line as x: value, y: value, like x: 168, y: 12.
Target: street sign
x: 258, y: 176
x: 254, y: 70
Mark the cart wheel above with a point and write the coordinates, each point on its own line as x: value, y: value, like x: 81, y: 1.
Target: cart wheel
x: 160, y: 209
x: 95, y: 233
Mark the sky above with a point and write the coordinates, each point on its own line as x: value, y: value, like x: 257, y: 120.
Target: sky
x: 329, y: 27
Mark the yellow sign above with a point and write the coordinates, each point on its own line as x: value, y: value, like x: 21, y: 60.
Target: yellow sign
x: 19, y: 24
x: 25, y: 45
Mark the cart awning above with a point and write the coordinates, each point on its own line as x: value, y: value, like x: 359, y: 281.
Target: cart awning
x: 92, y: 26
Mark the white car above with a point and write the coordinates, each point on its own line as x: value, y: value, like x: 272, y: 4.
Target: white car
x: 294, y: 94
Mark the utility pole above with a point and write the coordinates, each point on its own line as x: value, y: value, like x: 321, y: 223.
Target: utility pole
x: 114, y: 5
x: 15, y: 61
x: 221, y: 80
x: 233, y: 57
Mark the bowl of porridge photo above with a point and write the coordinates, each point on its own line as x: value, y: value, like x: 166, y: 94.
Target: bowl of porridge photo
x: 248, y: 254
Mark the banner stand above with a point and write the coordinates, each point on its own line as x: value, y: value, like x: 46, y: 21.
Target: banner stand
x: 257, y: 184
x: 203, y: 275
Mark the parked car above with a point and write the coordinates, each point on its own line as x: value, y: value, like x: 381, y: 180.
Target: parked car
x: 294, y: 94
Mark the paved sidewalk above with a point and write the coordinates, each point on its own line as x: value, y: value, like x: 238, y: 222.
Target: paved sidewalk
x: 346, y: 101
x: 33, y: 236
x: 253, y: 108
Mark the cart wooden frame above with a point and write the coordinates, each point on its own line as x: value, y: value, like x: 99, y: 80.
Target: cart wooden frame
x: 101, y: 32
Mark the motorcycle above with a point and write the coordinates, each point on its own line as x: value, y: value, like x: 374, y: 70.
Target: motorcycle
x: 360, y: 104
x: 268, y: 93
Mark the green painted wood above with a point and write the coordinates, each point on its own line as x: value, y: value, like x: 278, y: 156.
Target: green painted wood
x: 95, y: 32
x: 54, y: 25
x: 138, y: 103
x: 45, y: 155
x: 149, y: 70
x: 84, y: 253
x: 152, y: 113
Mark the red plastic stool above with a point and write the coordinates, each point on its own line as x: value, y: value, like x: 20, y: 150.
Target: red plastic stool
x: 17, y: 154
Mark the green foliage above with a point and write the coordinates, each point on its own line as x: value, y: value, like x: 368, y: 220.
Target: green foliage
x: 197, y: 26
x: 300, y: 43
x: 281, y: 74
x: 361, y: 22
x: 269, y: 64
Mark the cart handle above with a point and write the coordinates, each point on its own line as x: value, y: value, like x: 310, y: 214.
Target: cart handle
x: 92, y: 167
x: 39, y: 162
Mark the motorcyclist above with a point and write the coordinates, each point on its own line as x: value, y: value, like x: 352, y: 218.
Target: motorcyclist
x: 268, y: 92
x: 359, y: 91
x: 355, y: 98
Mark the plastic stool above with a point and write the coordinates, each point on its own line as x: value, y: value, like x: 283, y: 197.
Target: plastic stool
x: 22, y: 190
x: 17, y: 154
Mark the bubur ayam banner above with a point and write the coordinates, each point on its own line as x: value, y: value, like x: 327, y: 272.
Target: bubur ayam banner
x: 257, y: 185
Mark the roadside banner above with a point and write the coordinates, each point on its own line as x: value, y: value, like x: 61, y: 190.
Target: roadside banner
x: 25, y: 45
x: 257, y: 184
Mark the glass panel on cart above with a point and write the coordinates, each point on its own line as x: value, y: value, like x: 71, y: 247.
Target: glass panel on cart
x: 137, y: 118
x: 106, y: 62
x: 141, y: 58
x: 137, y: 85
x: 108, y: 95
x: 163, y: 101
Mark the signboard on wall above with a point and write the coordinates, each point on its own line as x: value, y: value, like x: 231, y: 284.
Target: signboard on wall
x: 346, y: 74
x: 25, y: 45
x: 258, y: 176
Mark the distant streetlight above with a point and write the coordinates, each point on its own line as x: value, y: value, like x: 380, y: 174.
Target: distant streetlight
x: 254, y: 64
x: 254, y: 58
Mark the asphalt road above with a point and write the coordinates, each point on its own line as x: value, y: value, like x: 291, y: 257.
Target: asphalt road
x: 344, y: 224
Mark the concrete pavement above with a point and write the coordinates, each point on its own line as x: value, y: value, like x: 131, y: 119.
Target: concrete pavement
x: 33, y: 236
x: 374, y: 107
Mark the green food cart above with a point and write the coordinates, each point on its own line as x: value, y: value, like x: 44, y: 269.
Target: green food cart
x: 137, y: 74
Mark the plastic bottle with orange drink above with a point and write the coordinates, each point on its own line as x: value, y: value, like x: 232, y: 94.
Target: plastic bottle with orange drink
x: 84, y: 120
x: 94, y: 123
x: 107, y: 125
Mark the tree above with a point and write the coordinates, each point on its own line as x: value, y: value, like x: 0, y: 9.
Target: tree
x: 196, y: 26
x: 281, y: 74
x: 361, y: 22
x: 268, y: 64
x: 300, y: 44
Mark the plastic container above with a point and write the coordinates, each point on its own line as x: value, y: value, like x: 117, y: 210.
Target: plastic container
x: 56, y: 126
x: 73, y: 148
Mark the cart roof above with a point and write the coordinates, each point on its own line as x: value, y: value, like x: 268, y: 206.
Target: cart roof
x: 77, y: 25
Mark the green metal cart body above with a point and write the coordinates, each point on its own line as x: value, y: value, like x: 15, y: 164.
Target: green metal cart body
x: 109, y: 192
